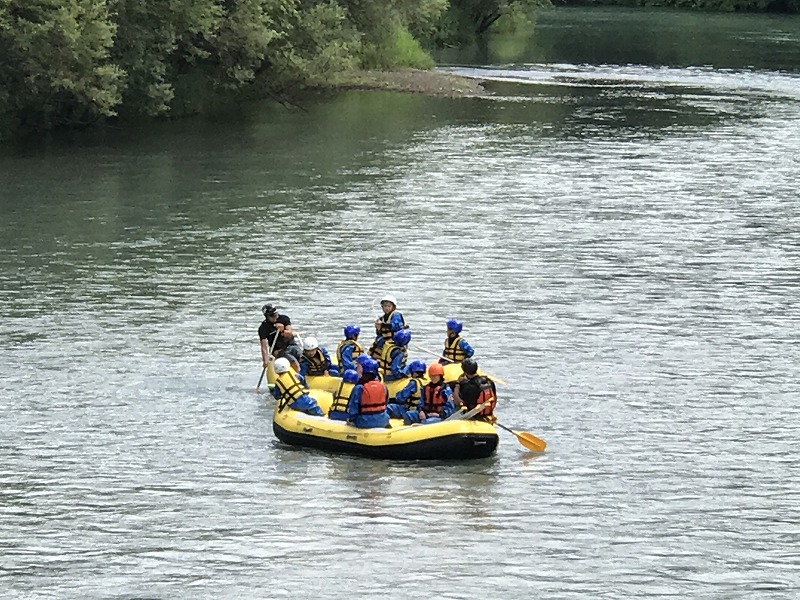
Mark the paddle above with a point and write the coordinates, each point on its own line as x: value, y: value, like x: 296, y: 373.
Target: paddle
x: 431, y: 352
x: 260, y: 379
x: 269, y: 359
x: 460, y: 416
x: 530, y: 441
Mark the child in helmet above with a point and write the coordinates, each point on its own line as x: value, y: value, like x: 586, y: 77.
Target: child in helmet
x: 367, y: 406
x: 341, y: 398
x: 436, y: 400
x: 290, y: 392
x: 315, y: 359
x: 387, y: 325
x: 456, y: 348
x: 406, y: 400
x: 349, y: 349
x: 394, y: 356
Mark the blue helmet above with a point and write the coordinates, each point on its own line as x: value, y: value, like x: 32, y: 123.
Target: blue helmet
x: 455, y: 325
x: 351, y: 331
x: 362, y: 358
x: 370, y: 366
x: 350, y: 376
x: 417, y: 366
x: 402, y: 337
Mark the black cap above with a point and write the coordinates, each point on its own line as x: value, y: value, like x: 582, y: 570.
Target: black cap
x: 269, y: 310
x: 284, y: 320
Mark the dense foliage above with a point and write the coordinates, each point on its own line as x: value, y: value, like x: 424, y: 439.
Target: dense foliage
x: 72, y: 62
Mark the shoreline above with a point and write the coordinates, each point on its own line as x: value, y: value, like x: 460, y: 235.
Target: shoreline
x: 414, y: 81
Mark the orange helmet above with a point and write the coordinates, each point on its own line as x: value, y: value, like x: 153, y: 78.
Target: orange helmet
x: 436, y: 369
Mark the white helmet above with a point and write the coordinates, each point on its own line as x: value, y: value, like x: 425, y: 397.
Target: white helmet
x: 310, y: 343
x: 389, y: 298
x: 281, y: 365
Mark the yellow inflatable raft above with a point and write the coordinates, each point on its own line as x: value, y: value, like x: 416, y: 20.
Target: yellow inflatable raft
x: 447, y: 440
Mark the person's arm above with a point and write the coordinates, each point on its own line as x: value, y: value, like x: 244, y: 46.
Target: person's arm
x: 264, y: 352
x: 449, y: 407
x: 347, y: 359
x: 354, y: 404
x: 327, y: 358
x: 464, y: 345
x: 456, y: 395
x: 303, y: 367
x: 396, y: 322
x: 396, y: 369
x: 405, y: 393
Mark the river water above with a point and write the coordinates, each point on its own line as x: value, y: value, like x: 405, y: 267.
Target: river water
x: 618, y: 227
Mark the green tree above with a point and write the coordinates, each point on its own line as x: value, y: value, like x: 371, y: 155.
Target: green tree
x: 477, y: 16
x: 158, y: 39
x: 55, y: 65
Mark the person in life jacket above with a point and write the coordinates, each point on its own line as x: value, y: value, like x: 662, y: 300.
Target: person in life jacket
x: 361, y: 361
x: 436, y: 399
x: 290, y: 392
x: 406, y: 400
x: 315, y: 359
x: 456, y: 348
x: 387, y: 325
x: 473, y: 389
x: 367, y: 407
x: 341, y: 398
x: 394, y: 356
x: 349, y: 349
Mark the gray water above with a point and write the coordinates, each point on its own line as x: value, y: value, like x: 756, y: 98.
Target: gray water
x: 619, y: 231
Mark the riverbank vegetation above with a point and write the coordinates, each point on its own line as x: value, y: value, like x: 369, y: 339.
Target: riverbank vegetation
x: 74, y: 62
x: 70, y: 63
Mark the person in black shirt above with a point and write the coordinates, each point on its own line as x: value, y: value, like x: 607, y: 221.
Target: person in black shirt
x: 473, y: 389
x: 267, y: 331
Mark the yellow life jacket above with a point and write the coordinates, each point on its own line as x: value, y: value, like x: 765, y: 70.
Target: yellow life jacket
x: 385, y: 361
x: 342, y: 397
x: 290, y: 388
x: 412, y: 401
x: 357, y: 350
x: 385, y: 330
x: 453, y: 351
x: 317, y: 365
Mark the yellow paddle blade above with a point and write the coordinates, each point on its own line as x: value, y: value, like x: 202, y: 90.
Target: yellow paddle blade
x: 498, y: 380
x: 530, y: 441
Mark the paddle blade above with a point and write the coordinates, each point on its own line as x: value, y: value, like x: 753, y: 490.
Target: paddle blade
x: 498, y: 380
x: 530, y: 441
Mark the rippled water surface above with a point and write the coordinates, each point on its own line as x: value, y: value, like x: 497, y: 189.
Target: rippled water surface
x: 620, y: 236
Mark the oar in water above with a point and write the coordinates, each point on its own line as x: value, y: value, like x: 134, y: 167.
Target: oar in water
x: 431, y: 352
x: 269, y: 359
x: 260, y: 379
x: 530, y: 441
